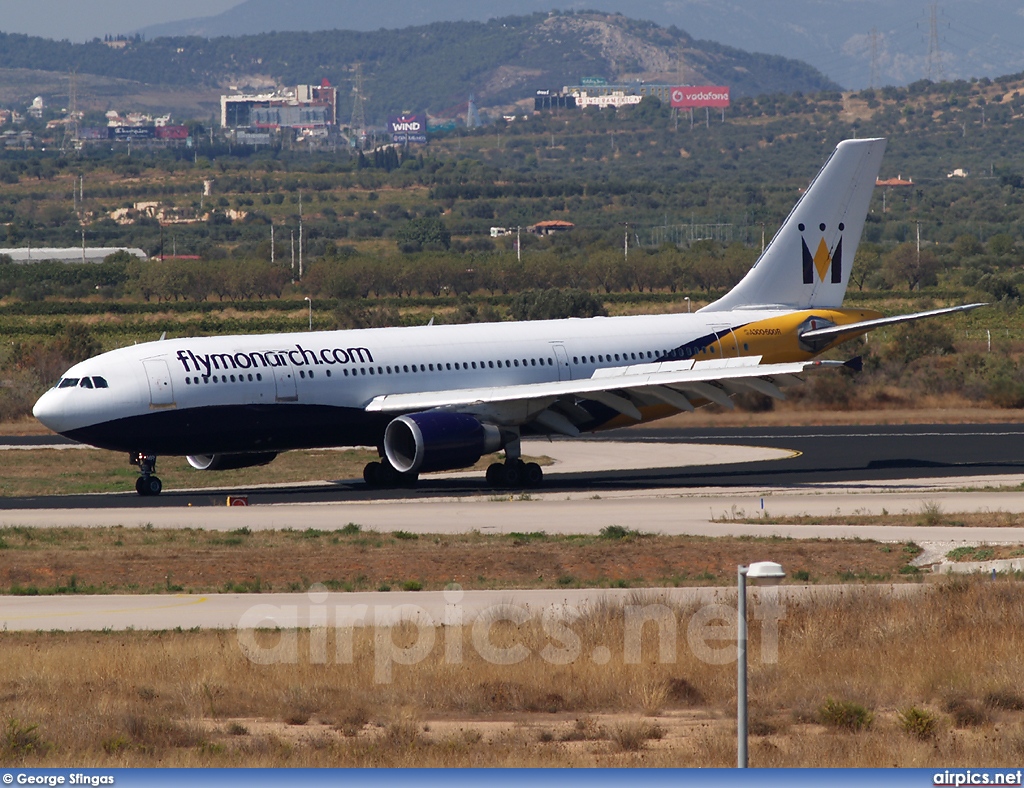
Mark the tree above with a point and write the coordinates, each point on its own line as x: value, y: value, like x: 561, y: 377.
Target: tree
x: 426, y: 232
x: 553, y: 304
x: 906, y: 264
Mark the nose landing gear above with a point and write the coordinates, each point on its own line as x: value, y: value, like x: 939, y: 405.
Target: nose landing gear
x: 148, y: 483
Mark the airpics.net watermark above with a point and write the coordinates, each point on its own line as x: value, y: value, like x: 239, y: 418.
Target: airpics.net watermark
x: 710, y: 632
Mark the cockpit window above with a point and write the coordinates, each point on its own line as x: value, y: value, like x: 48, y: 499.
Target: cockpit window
x: 100, y: 383
x: 68, y: 383
x: 86, y: 383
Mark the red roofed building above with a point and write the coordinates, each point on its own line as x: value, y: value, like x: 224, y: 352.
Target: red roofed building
x: 897, y: 181
x: 553, y: 226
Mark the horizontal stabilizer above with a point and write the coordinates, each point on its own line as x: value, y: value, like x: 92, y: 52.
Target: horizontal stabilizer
x: 833, y: 332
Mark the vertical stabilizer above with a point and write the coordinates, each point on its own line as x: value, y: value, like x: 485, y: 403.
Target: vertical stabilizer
x: 807, y: 264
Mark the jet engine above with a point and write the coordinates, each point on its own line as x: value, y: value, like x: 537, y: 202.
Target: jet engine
x: 438, y: 441
x: 229, y: 462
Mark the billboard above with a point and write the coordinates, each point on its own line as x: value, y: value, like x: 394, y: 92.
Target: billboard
x: 689, y: 96
x: 172, y: 132
x: 122, y: 133
x: 408, y: 128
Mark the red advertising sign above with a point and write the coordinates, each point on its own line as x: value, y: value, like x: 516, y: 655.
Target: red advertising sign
x: 172, y: 132
x: 700, y: 96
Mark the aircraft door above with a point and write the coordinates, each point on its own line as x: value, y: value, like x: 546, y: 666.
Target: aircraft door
x: 284, y: 380
x: 161, y: 393
x: 562, y: 360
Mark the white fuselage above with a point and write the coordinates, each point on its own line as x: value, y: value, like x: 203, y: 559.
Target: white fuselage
x: 348, y: 369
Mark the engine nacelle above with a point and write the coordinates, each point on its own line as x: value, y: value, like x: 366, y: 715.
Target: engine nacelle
x: 229, y: 462
x: 438, y: 441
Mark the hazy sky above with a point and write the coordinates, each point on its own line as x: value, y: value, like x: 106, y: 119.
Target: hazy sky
x: 90, y: 19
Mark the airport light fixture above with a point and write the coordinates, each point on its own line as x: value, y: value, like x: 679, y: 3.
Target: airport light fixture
x: 767, y: 573
x: 309, y: 300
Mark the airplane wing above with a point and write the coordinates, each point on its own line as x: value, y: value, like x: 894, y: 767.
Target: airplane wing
x: 831, y: 332
x: 622, y: 389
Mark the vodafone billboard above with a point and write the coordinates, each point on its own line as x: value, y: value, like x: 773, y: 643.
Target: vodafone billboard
x: 700, y: 96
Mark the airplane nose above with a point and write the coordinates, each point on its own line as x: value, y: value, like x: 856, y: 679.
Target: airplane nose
x: 46, y: 410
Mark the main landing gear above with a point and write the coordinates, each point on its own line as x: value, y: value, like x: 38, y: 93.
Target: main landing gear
x: 148, y: 483
x: 383, y: 475
x: 514, y: 474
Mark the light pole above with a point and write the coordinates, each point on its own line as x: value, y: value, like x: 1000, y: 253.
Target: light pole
x: 310, y: 302
x: 761, y: 570
x: 687, y: 299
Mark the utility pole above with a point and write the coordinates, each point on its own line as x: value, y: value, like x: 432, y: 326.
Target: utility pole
x: 300, y: 235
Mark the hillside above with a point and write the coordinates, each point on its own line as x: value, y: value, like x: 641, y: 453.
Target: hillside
x: 431, y: 68
x: 835, y: 36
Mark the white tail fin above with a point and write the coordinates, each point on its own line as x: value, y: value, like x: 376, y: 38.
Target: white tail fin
x: 808, y: 262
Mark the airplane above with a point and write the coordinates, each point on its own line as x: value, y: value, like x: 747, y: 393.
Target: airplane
x: 440, y: 397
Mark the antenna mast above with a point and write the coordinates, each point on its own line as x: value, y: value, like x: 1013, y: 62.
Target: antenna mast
x: 358, y: 110
x: 874, y: 57
x: 935, y: 70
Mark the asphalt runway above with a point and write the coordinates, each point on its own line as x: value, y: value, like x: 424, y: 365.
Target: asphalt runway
x: 816, y: 455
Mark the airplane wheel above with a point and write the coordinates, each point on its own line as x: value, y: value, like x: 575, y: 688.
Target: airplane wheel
x: 372, y: 473
x: 533, y: 474
x: 387, y: 476
x: 511, y: 475
x: 148, y: 485
x: 495, y: 473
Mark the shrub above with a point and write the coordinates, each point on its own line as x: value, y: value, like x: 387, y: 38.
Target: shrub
x: 846, y: 715
x: 918, y: 722
x: 966, y: 713
x: 20, y: 740
x: 632, y: 736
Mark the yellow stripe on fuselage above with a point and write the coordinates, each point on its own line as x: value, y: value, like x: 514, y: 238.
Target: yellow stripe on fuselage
x: 774, y: 339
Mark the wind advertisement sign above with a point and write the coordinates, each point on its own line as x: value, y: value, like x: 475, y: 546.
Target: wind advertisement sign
x: 408, y: 129
x: 691, y: 96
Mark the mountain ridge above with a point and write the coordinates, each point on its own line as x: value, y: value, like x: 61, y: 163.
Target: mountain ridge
x: 852, y: 43
x: 433, y: 67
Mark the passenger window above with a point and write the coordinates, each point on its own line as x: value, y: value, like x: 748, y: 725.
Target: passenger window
x: 516, y: 362
x: 310, y: 374
x: 474, y: 364
x: 431, y: 367
x: 371, y: 370
x: 259, y: 376
x: 448, y: 366
x: 68, y: 383
x: 86, y: 383
x: 499, y: 363
x: 405, y: 368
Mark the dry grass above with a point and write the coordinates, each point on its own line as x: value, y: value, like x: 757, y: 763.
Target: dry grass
x: 144, y: 560
x: 954, y: 655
